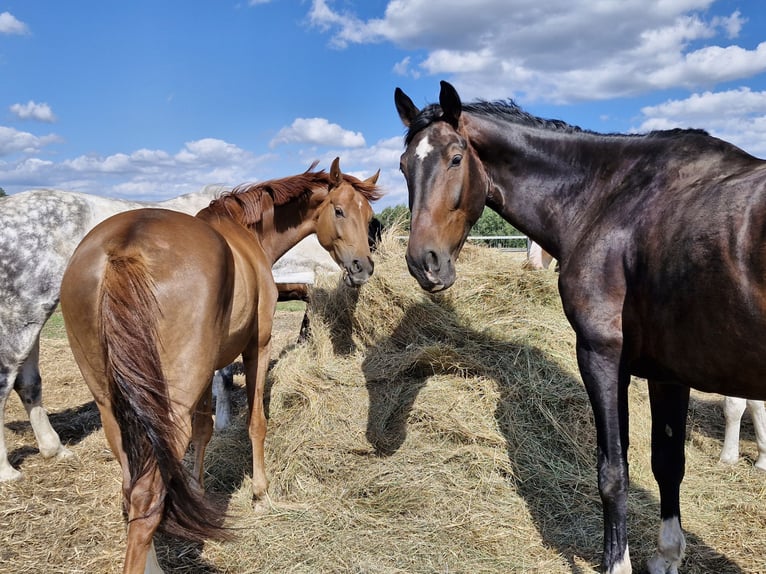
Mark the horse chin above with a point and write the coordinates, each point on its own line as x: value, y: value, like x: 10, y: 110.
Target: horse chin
x: 354, y: 280
x: 431, y: 282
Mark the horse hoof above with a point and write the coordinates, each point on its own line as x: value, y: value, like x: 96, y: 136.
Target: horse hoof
x: 659, y: 565
x: 10, y: 474
x: 261, y: 506
x: 61, y: 453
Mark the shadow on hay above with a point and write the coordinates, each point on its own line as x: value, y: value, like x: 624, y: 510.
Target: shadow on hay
x: 540, y: 411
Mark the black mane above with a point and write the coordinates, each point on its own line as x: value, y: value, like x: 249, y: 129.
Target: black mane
x: 510, y: 111
x: 506, y: 110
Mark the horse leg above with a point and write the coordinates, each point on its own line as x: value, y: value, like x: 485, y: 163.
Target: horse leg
x: 29, y: 388
x: 303, y: 334
x: 669, y: 404
x: 758, y: 412
x: 255, y: 381
x: 733, y: 409
x: 7, y: 472
x: 144, y: 516
x: 607, y: 386
x: 223, y: 383
x: 140, y: 555
x: 202, y: 430
x: 255, y: 377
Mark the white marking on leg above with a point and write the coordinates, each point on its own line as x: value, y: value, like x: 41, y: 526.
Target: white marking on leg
x: 623, y: 566
x: 7, y: 472
x: 152, y: 564
x: 671, y: 545
x: 423, y: 149
x: 733, y: 408
x: 758, y: 412
x: 48, y: 440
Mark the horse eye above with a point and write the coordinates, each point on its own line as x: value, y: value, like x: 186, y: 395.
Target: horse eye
x: 339, y: 212
x: 456, y: 159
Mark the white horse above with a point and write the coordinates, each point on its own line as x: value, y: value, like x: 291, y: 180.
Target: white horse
x: 733, y: 409
x: 39, y: 230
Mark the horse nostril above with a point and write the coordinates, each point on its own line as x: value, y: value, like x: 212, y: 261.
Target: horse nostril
x: 356, y: 266
x: 432, y: 261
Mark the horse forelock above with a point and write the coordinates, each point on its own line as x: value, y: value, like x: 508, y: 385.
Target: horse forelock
x: 369, y: 190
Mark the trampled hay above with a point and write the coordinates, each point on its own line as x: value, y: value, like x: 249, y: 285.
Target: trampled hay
x: 413, y: 433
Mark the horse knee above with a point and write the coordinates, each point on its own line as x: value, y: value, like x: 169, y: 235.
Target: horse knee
x: 28, y: 386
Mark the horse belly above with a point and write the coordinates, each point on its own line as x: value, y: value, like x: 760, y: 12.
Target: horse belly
x: 713, y: 345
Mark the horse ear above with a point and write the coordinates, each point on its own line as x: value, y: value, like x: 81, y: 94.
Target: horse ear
x: 407, y: 110
x: 372, y: 180
x: 336, y: 177
x: 450, y: 103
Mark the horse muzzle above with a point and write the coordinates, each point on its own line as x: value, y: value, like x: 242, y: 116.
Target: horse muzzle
x: 433, y: 272
x: 358, y: 272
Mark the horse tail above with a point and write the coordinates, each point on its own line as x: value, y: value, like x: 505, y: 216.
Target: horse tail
x: 140, y: 401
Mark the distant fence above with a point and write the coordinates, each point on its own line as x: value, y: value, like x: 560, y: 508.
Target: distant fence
x: 501, y: 242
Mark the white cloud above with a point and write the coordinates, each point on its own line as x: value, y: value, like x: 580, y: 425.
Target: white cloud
x: 573, y: 50
x: 142, y: 174
x: 10, y: 25
x: 33, y: 111
x: 13, y: 141
x: 317, y: 131
x: 737, y: 116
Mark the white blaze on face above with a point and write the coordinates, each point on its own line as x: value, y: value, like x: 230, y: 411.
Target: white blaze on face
x: 423, y: 149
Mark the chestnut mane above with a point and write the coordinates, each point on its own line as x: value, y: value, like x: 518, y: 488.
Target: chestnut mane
x: 244, y: 203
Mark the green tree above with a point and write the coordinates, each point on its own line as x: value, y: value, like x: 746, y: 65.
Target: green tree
x: 395, y: 214
x: 2, y: 192
x: 490, y: 223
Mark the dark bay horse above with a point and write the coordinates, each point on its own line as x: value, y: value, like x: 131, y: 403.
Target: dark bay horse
x: 155, y: 301
x: 662, y: 244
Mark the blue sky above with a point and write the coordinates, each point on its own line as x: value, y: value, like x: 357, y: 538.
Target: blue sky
x: 149, y: 99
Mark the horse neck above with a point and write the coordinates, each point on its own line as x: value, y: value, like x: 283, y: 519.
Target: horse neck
x: 539, y: 178
x: 283, y: 227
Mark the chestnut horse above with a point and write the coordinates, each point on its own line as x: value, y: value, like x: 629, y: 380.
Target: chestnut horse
x: 663, y: 267
x: 155, y: 301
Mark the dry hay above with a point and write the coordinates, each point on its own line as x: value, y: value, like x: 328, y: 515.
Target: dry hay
x: 414, y: 433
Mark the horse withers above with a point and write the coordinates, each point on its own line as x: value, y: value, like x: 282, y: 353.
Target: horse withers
x: 155, y: 301
x: 660, y: 241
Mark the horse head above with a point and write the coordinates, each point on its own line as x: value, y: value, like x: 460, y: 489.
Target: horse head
x: 342, y: 224
x: 447, y: 186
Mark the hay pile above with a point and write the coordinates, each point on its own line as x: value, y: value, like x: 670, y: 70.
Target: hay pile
x: 414, y: 433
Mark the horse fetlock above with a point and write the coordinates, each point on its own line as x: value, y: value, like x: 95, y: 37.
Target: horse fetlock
x: 623, y: 566
x: 8, y: 473
x: 671, y: 546
x: 62, y: 453
x: 657, y: 564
